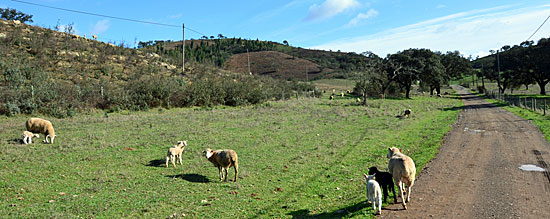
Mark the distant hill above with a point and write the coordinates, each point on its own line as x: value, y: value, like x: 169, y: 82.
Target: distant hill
x: 227, y: 53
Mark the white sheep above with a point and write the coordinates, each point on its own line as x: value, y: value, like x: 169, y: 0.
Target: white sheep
x: 42, y: 126
x: 27, y: 137
x: 223, y: 160
x: 407, y: 113
x: 403, y: 171
x: 174, y: 153
x: 331, y: 97
x: 358, y: 100
x: 374, y: 194
x: 342, y: 94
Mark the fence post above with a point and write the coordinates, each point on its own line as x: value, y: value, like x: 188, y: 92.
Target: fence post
x: 544, y: 113
x: 535, y: 104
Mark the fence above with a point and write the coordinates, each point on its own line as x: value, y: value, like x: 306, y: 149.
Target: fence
x: 536, y: 104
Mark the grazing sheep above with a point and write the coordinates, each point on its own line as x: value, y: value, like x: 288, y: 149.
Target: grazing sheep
x: 385, y: 180
x: 374, y: 195
x: 175, y: 152
x: 407, y: 113
x: 403, y: 171
x: 331, y: 97
x: 223, y: 160
x: 94, y: 36
x: 342, y: 94
x: 42, y: 126
x: 76, y: 36
x: 358, y: 100
x: 348, y: 91
x: 27, y: 137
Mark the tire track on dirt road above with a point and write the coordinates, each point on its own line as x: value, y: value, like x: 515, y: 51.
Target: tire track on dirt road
x: 476, y: 172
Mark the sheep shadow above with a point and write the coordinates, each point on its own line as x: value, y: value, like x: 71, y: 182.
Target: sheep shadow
x: 194, y: 178
x: 157, y: 163
x: 340, y: 213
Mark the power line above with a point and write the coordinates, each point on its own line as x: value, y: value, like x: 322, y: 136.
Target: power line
x: 538, y: 28
x: 107, y: 16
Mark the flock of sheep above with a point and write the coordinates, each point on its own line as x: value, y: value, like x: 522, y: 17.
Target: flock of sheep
x: 400, y: 166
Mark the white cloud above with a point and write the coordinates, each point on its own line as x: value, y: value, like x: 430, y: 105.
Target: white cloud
x: 472, y: 32
x: 441, y: 6
x: 330, y: 8
x: 101, y: 26
x: 362, y: 16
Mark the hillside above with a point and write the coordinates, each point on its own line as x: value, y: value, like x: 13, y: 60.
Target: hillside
x: 274, y: 64
x: 58, y: 73
x: 221, y: 52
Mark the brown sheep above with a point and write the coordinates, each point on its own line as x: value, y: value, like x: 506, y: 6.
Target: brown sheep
x: 223, y: 160
x: 403, y: 171
x: 42, y: 126
x: 174, y: 153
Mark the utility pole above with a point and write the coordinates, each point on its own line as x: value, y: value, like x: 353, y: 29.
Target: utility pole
x: 248, y: 58
x: 498, y: 69
x: 307, y: 76
x: 482, y: 76
x: 183, y: 50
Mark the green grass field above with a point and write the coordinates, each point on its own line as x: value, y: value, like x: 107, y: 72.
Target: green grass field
x: 298, y: 158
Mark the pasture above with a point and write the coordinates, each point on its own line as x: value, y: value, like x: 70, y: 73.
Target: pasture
x: 297, y: 158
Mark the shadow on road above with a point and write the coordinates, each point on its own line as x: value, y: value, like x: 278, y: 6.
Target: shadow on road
x: 340, y: 213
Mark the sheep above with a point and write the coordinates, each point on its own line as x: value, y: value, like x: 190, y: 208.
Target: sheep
x: 342, y: 94
x: 331, y: 97
x: 358, y: 100
x: 76, y: 36
x: 94, y: 36
x: 374, y: 195
x: 42, y: 126
x: 175, y: 152
x: 385, y: 180
x: 27, y: 137
x: 407, y: 113
x: 223, y: 160
x: 403, y: 171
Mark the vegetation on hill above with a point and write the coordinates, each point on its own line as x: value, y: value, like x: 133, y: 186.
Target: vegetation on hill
x: 523, y: 64
x: 217, y: 52
x: 59, y: 73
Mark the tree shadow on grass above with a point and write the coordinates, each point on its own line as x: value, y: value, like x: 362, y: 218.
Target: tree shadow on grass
x: 194, y: 178
x: 157, y: 163
x: 340, y: 213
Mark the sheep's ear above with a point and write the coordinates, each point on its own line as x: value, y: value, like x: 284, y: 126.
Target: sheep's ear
x: 400, y: 151
x: 365, y: 175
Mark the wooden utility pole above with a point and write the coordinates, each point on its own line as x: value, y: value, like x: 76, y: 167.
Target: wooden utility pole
x: 248, y: 58
x: 498, y: 69
x: 183, y: 49
x: 307, y: 76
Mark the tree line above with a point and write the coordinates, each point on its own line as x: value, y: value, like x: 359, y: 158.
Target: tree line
x: 520, y: 65
x: 398, y: 72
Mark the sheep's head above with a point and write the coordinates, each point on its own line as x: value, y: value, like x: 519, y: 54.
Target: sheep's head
x: 208, y: 152
x: 369, y: 177
x: 392, y: 151
x: 373, y: 170
x: 182, y: 144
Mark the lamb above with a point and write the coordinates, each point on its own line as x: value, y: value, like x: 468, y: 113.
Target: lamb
x: 342, y: 94
x: 407, y: 113
x: 374, y: 195
x: 27, y: 137
x: 385, y: 180
x: 403, y: 171
x: 331, y: 97
x: 175, y: 152
x: 42, y: 126
x: 94, y: 36
x: 223, y: 160
x: 358, y: 100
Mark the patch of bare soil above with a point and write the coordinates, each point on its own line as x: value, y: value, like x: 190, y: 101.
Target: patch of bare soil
x: 476, y: 173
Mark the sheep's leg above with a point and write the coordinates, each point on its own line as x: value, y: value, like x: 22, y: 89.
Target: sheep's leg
x: 173, y: 159
x: 402, y: 196
x: 385, y: 188
x: 409, y: 194
x: 180, y: 159
x: 25, y: 140
x: 374, y: 206
x: 392, y: 187
x: 167, y: 160
x: 379, y: 205
x: 225, y: 171
x: 221, y: 173
x: 236, y: 167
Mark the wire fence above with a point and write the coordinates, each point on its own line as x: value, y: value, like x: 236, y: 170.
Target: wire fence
x: 535, y: 104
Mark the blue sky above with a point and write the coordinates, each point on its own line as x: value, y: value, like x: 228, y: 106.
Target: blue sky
x: 380, y: 26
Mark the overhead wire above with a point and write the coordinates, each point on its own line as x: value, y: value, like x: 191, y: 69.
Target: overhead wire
x: 108, y: 16
x: 538, y: 28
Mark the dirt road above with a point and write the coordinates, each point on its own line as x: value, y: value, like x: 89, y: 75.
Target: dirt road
x: 476, y: 173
